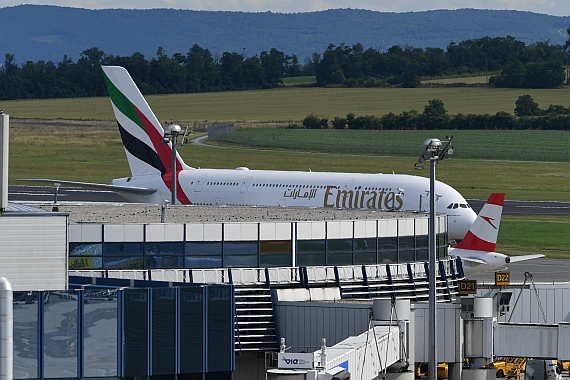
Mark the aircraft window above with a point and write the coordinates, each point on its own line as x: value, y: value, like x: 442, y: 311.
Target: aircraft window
x: 450, y: 205
x: 462, y: 205
x: 455, y: 206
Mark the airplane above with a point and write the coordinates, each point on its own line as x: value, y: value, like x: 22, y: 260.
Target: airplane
x: 477, y: 249
x: 150, y: 160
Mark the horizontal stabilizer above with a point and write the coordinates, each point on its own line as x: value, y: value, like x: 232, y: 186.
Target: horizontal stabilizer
x: 515, y: 259
x: 98, y: 186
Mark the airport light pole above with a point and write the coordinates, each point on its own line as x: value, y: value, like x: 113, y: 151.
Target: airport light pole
x: 435, y: 153
x: 172, y: 130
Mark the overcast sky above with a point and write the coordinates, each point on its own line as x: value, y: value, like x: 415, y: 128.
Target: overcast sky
x: 551, y: 7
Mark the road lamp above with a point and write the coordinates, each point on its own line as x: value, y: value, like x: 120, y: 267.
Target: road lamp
x: 172, y: 131
x: 434, y: 152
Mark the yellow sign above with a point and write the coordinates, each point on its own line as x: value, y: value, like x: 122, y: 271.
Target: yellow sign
x: 467, y: 287
x: 502, y: 278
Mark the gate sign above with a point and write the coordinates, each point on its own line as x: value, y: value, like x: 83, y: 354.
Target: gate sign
x: 467, y: 287
x: 502, y: 278
x: 287, y: 360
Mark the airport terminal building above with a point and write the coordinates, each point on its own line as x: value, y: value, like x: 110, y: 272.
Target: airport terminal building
x: 240, y: 237
x: 139, y: 291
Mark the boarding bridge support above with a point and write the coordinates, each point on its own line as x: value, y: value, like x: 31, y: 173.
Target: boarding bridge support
x: 449, y: 336
x: 479, y: 340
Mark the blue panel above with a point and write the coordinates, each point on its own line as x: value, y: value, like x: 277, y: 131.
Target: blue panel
x: 192, y: 330
x: 100, y: 331
x: 220, y: 328
x: 135, y: 329
x: 25, y: 335
x: 163, y: 331
x: 60, y: 334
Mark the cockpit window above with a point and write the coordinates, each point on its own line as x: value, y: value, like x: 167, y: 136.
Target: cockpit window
x: 455, y: 205
x: 463, y: 205
x: 450, y: 205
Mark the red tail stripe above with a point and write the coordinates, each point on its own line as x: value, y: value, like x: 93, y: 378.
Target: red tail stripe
x: 180, y: 194
x: 497, y: 199
x: 470, y: 241
x: 163, y: 150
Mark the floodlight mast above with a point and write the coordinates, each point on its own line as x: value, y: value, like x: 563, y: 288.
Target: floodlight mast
x: 173, y: 130
x: 435, y: 153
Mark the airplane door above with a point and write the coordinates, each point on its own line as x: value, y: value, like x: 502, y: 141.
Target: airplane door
x: 348, y: 184
x: 245, y: 185
x: 219, y: 201
x: 200, y: 183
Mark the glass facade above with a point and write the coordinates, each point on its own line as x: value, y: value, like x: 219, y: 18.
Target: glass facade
x: 127, y: 333
x: 253, y: 253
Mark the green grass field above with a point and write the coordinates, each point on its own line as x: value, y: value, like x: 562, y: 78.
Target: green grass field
x: 292, y: 103
x: 527, y: 145
x: 93, y: 151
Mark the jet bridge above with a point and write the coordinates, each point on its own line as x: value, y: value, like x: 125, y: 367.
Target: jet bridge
x: 383, y: 351
x: 476, y: 335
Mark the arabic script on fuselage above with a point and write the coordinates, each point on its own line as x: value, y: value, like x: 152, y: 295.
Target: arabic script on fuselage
x: 334, y: 196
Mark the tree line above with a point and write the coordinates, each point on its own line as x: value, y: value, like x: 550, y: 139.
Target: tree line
x: 527, y: 115
x: 197, y: 71
x: 539, y: 65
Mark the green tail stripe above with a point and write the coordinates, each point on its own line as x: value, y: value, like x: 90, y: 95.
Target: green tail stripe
x: 122, y: 103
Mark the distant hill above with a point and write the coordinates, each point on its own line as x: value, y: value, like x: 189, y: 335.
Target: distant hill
x: 41, y: 32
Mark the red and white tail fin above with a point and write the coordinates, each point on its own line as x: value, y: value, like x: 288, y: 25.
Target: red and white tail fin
x: 482, y: 235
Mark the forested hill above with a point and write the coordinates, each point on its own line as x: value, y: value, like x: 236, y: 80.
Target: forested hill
x: 48, y: 33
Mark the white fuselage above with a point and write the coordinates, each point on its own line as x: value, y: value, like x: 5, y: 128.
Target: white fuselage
x: 475, y: 262
x: 243, y: 187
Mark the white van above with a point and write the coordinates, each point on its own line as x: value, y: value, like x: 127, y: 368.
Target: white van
x: 542, y: 370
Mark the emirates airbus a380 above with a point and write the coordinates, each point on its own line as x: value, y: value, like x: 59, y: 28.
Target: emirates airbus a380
x: 150, y: 161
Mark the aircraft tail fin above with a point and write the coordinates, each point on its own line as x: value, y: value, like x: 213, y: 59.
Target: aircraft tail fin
x: 140, y: 130
x: 482, y: 235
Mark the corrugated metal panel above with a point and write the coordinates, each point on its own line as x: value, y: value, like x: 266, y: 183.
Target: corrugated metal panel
x: 449, y: 332
x: 304, y: 324
x: 526, y: 340
x: 34, y: 251
x: 564, y: 342
x: 554, y: 298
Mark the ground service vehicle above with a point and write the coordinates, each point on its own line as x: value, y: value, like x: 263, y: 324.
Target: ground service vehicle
x: 542, y: 370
